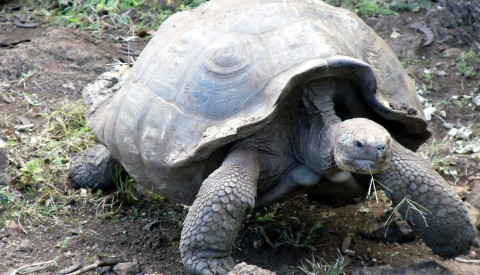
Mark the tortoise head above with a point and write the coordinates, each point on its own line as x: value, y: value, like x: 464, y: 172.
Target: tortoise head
x: 362, y: 146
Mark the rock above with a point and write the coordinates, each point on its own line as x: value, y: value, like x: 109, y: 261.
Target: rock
x: 455, y: 22
x: 3, y: 163
x: 461, y: 191
x: 474, y: 214
x: 245, y: 269
x: 397, y: 231
x: 25, y: 246
x: 408, y: 45
x: 474, y: 196
x: 425, y: 268
x: 127, y: 268
x: 11, y: 225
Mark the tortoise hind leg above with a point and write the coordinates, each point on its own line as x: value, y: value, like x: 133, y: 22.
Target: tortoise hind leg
x: 93, y: 168
x: 217, y: 213
x: 444, y: 224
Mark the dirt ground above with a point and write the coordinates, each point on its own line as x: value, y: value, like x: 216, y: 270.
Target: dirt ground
x: 144, y: 236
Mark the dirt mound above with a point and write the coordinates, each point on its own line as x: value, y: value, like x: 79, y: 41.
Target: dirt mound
x: 54, y: 60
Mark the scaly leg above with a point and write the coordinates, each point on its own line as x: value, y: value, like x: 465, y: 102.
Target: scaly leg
x: 93, y: 168
x: 447, y: 229
x: 217, y: 213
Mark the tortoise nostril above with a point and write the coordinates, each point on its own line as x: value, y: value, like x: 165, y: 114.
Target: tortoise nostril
x: 381, y: 151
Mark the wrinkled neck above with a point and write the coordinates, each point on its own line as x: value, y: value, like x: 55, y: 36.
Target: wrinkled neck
x: 317, y: 125
x: 314, y: 143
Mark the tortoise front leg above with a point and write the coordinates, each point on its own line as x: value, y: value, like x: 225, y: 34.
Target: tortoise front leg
x: 445, y: 227
x: 217, y: 213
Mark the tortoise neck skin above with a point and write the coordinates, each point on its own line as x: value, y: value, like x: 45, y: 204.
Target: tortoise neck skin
x: 312, y: 142
x: 316, y: 150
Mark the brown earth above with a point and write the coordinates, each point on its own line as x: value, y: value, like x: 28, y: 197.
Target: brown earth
x: 146, y: 233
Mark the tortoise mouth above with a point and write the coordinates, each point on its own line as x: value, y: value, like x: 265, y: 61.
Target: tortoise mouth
x: 362, y: 165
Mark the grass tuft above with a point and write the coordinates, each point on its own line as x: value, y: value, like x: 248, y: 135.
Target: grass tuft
x: 322, y: 267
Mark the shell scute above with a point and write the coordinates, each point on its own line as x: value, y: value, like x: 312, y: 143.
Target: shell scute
x: 225, y: 78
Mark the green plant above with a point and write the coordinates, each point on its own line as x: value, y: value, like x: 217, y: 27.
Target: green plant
x: 468, y: 64
x: 410, y: 5
x: 365, y: 7
x: 322, y: 267
x: 7, y: 199
x: 112, y: 5
x: 65, y: 133
x: 178, y: 215
x: 411, y: 206
x: 100, y: 15
x: 267, y: 217
x: 372, y: 186
x: 125, y: 185
x: 26, y: 76
x: 306, y: 237
x: 42, y: 162
x: 33, y: 171
x: 63, y: 243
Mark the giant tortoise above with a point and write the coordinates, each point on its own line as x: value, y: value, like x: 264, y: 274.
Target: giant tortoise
x: 237, y: 104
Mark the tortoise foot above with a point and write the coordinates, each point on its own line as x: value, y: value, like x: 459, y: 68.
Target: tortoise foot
x: 207, y: 265
x: 93, y: 168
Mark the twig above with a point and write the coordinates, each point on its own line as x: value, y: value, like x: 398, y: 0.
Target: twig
x: 267, y: 239
x: 71, y: 268
x: 31, y: 265
x: 19, y: 224
x: 97, y: 263
x: 467, y: 261
x: 21, y: 162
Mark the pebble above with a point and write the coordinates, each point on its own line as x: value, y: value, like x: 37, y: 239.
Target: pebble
x: 25, y: 246
x: 245, y: 269
x: 127, y: 268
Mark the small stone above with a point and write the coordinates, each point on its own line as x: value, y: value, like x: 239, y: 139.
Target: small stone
x: 245, y: 269
x: 346, y: 243
x: 461, y: 191
x: 474, y: 196
x: 9, y: 224
x: 474, y: 213
x: 397, y: 231
x: 25, y: 246
x: 127, y: 268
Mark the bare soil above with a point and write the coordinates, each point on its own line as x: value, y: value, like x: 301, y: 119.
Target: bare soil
x: 147, y: 231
